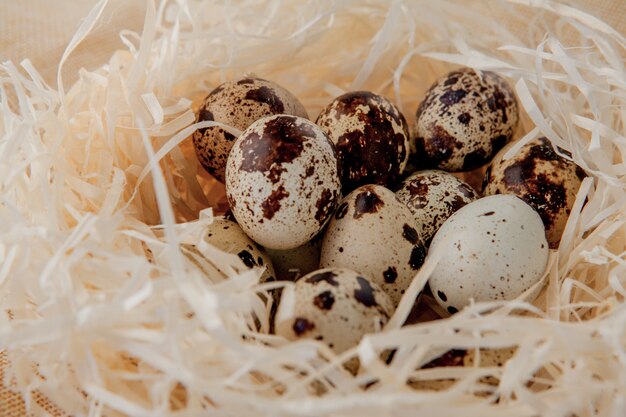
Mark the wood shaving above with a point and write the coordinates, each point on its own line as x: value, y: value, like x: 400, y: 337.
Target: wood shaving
x: 107, y: 315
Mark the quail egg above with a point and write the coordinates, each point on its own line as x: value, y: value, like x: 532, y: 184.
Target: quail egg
x: 432, y: 196
x: 371, y: 136
x: 334, y: 305
x: 466, y: 117
x: 291, y: 264
x: 226, y: 235
x: 238, y: 104
x: 542, y: 178
x: 492, y: 249
x: 373, y: 233
x: 282, y: 181
x: 467, y: 358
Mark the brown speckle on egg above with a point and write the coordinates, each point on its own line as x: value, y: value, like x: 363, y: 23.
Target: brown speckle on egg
x: 272, y: 203
x: 410, y: 234
x: 371, y: 135
x: 302, y: 325
x: 367, y: 202
x: 237, y: 104
x: 267, y: 96
x: 327, y: 276
x: 418, y: 254
x: 325, y: 205
x: 324, y: 300
x: 247, y: 258
x: 465, y: 118
x: 390, y: 275
x: 365, y: 293
x: 264, y: 153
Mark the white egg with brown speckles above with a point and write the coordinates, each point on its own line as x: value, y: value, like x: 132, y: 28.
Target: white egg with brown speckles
x: 337, y: 306
x: 373, y: 233
x: 282, y: 181
x: 492, y: 249
x: 432, y: 196
x: 466, y: 117
x: 238, y: 104
x: 540, y: 177
x: 371, y: 136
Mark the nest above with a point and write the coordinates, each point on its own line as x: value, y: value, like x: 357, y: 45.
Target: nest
x: 105, y: 315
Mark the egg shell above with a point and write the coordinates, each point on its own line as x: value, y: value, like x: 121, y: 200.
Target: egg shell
x: 433, y: 196
x: 238, y: 104
x: 466, y: 358
x: 540, y: 177
x: 371, y: 136
x: 282, y: 181
x: 465, y: 118
x: 373, y: 233
x: 492, y: 249
x: 291, y: 264
x: 335, y: 305
x: 226, y: 235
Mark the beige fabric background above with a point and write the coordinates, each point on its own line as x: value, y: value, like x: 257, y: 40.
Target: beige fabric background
x: 40, y: 30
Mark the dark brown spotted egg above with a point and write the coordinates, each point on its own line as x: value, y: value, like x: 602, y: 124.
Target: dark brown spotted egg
x: 372, y: 138
x: 373, y: 233
x: 237, y: 104
x: 282, y: 181
x: 542, y: 178
x: 337, y: 306
x: 464, y: 120
x: 432, y: 196
x: 226, y: 235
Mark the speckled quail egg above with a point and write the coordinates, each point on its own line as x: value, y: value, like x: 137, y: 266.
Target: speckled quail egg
x: 432, y: 196
x: 373, y: 233
x: 282, y: 181
x: 226, y: 235
x: 372, y: 138
x: 491, y: 249
x: 238, y: 104
x: 466, y: 117
x: 334, y: 305
x: 467, y: 358
x: 542, y: 178
x: 291, y: 264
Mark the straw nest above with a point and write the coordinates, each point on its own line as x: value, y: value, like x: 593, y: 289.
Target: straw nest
x: 104, y: 315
